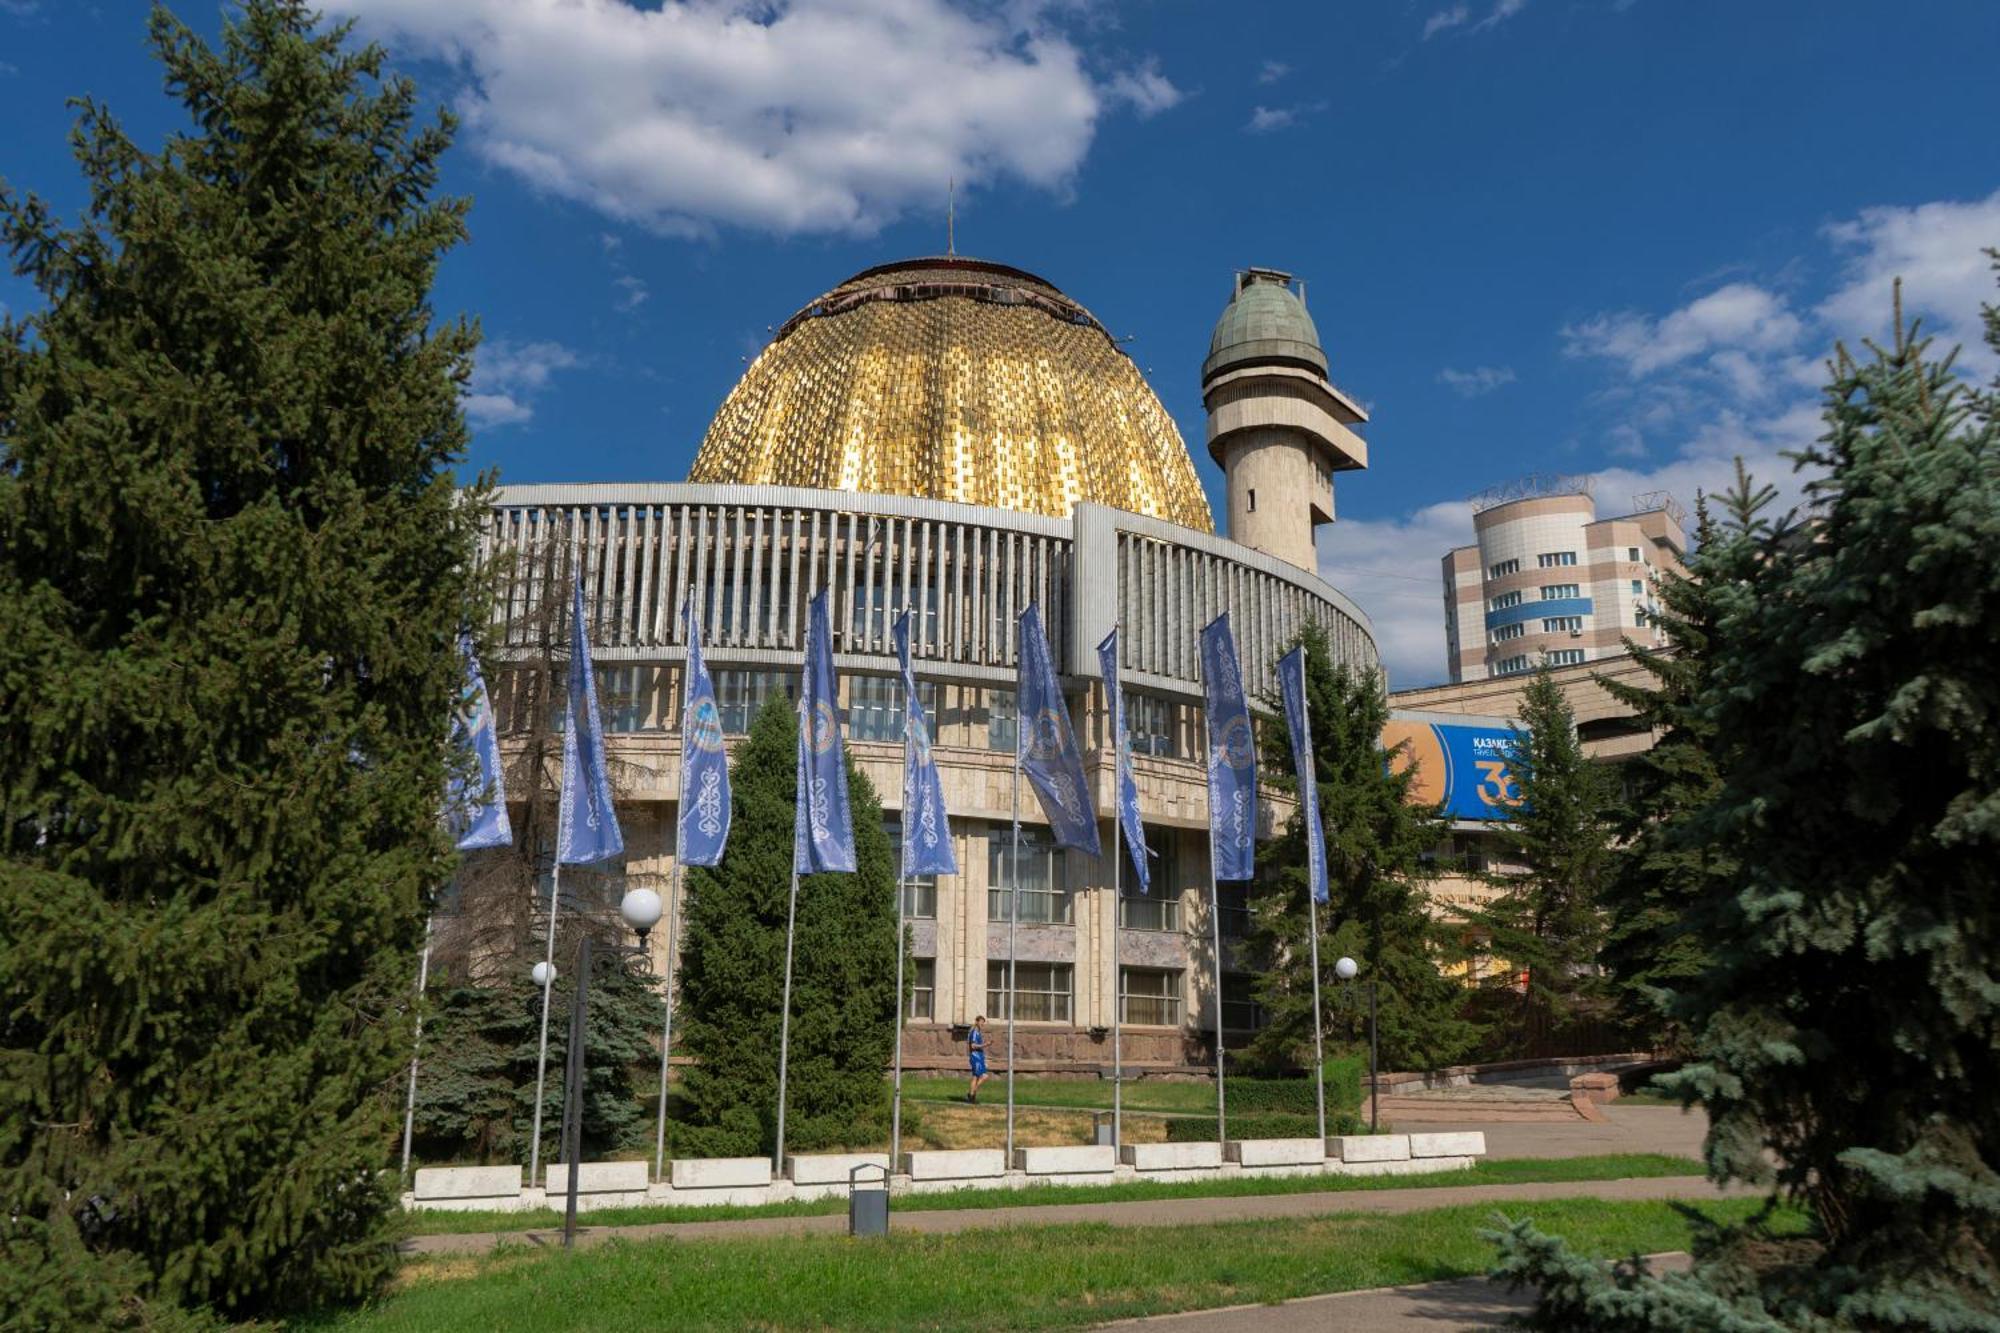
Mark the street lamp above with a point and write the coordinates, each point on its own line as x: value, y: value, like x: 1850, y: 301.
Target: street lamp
x: 543, y: 974
x: 1346, y: 969
x: 639, y: 909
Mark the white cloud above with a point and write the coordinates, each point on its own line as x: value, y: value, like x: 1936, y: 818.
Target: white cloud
x: 792, y: 116
x: 507, y: 376
x: 1272, y: 71
x: 1266, y: 119
x: 1445, y: 20
x: 632, y: 292
x: 1740, y: 316
x: 1502, y: 11
x: 1937, y: 249
x: 1477, y: 381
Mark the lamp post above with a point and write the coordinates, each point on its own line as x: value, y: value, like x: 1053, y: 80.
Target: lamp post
x: 1346, y: 969
x: 640, y: 909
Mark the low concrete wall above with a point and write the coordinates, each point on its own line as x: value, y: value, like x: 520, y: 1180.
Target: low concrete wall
x: 827, y: 1175
x: 1251, y: 1153
x: 962, y: 1169
x: 598, y: 1184
x: 1085, y: 1161
x: 466, y: 1188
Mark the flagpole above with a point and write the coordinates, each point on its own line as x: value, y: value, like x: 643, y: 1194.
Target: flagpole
x: 785, y: 1021
x: 1117, y: 967
x: 548, y: 985
x: 1215, y: 930
x: 896, y: 1102
x: 410, y: 1103
x: 1013, y: 920
x: 667, y: 1028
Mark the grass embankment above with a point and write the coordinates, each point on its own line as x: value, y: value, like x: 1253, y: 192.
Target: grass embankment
x: 1018, y: 1278
x: 1087, y: 1094
x: 1512, y: 1171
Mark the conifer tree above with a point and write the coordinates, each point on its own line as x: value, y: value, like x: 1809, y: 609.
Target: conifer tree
x: 1376, y: 873
x: 732, y: 970
x: 1847, y: 1030
x: 1546, y: 923
x: 233, y: 563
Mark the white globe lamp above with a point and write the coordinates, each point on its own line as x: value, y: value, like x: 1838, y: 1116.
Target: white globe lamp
x: 641, y: 910
x: 544, y: 974
x: 1346, y: 968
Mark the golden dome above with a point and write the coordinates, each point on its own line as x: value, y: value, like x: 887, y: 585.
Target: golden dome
x: 954, y: 379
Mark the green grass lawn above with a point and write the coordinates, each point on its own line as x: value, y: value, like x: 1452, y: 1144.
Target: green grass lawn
x: 1016, y: 1278
x: 1511, y: 1171
x: 1084, y: 1094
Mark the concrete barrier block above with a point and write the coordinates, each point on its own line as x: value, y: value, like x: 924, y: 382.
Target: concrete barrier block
x: 835, y: 1168
x: 467, y: 1182
x: 1369, y: 1147
x: 598, y: 1178
x: 1467, y: 1143
x: 709, y: 1173
x: 963, y: 1164
x: 1276, y: 1152
x: 1075, y: 1161
x: 1172, y: 1156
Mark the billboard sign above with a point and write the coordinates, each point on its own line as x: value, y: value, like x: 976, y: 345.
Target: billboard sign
x: 1461, y: 766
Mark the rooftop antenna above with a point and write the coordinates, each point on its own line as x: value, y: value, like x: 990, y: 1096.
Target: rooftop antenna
x: 950, y: 208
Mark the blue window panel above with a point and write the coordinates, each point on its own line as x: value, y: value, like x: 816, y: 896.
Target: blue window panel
x: 1561, y: 606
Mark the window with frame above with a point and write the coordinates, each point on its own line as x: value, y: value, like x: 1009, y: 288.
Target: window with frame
x: 1149, y: 997
x: 1510, y: 665
x: 1161, y: 908
x: 1506, y: 632
x: 1562, y: 625
x: 1002, y: 720
x: 923, y: 988
x: 920, y: 893
x: 1240, y: 1010
x: 625, y: 696
x: 1043, y: 990
x: 1555, y: 592
x: 1044, y: 900
x: 1632, y: 554
x: 1234, y: 900
x: 1505, y: 600
x: 1504, y: 568
x: 1553, y: 559
x: 1149, y: 725
x: 875, y: 707
x: 1566, y: 657
x: 1638, y: 588
x: 740, y: 693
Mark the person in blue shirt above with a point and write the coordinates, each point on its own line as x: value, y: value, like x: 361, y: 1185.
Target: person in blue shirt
x: 976, y: 1045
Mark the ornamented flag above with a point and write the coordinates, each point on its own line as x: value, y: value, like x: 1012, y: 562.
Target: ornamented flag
x: 704, y: 803
x: 823, y: 832
x: 1128, y: 790
x: 1232, y: 757
x: 477, y: 814
x: 927, y: 848
x: 1292, y: 684
x: 1047, y: 747
x: 589, y: 824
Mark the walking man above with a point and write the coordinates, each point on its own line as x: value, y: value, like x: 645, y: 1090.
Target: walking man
x: 976, y: 1044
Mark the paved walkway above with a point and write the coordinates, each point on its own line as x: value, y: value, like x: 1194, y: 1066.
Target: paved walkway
x: 1431, y: 1307
x: 1144, y: 1213
x: 1661, y: 1129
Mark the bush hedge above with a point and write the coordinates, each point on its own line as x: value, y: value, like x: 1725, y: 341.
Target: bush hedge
x: 1295, y: 1095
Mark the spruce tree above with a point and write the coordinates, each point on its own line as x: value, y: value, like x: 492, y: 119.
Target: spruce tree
x: 1657, y: 876
x: 1546, y: 922
x: 732, y: 970
x: 233, y: 563
x: 1376, y: 874
x: 1847, y: 1030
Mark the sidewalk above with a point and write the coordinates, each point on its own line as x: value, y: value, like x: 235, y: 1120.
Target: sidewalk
x: 1143, y: 1213
x: 1661, y: 1129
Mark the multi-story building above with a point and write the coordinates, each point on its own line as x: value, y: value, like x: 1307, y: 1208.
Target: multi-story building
x: 1550, y: 583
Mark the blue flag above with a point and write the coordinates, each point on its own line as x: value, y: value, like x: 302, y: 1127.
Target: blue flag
x: 1128, y: 789
x: 927, y: 848
x: 823, y: 831
x: 1045, y: 745
x: 1292, y: 684
x: 477, y: 810
x: 588, y: 824
x: 1232, y: 757
x: 704, y: 803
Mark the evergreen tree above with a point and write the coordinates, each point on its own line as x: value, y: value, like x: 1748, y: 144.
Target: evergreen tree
x: 233, y: 563
x: 1657, y: 876
x: 1376, y: 874
x: 1546, y: 924
x: 731, y: 979
x: 1848, y: 1028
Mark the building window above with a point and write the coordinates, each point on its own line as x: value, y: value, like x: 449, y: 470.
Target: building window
x: 920, y: 893
x: 739, y: 694
x: 1149, y: 725
x: 625, y: 697
x: 875, y: 707
x: 1505, y: 600
x: 1043, y: 898
x: 1563, y: 625
x: 1638, y: 588
x: 1551, y: 559
x: 1510, y: 666
x: 1253, y: 499
x: 1506, y: 632
x: 1566, y: 657
x: 1632, y: 554
x: 1160, y: 909
x: 1234, y: 899
x: 1149, y: 996
x: 1555, y: 592
x: 1504, y: 568
x: 1639, y: 617
x: 1043, y: 990
x: 923, y: 988
x: 1240, y: 1010
x: 1001, y: 720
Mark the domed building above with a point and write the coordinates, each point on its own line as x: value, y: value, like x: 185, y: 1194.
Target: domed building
x: 960, y: 438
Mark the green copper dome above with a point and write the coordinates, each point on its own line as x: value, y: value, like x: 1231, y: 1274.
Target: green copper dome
x: 1264, y: 322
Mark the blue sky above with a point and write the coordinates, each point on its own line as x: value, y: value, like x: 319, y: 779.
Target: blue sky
x: 1570, y: 235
